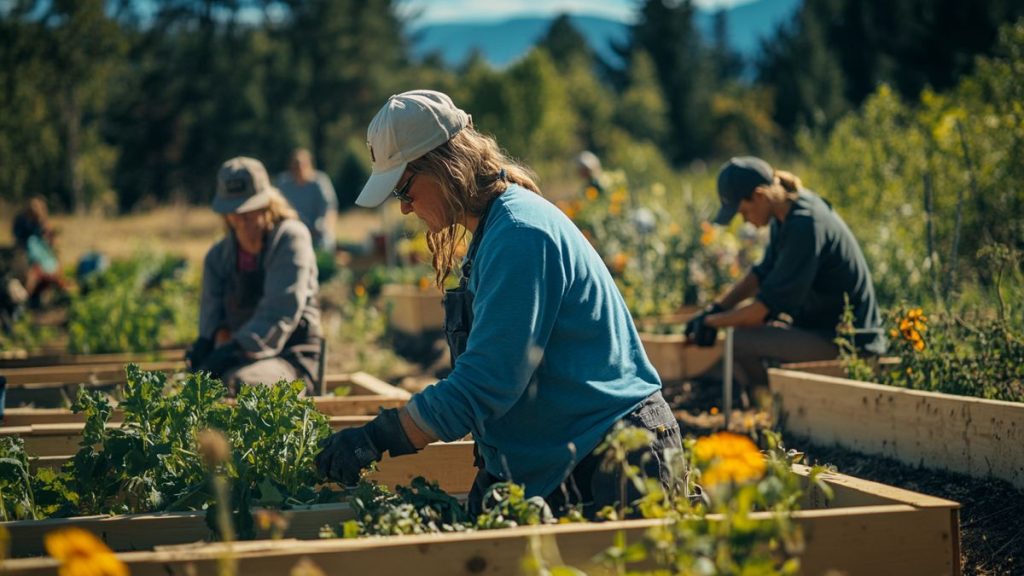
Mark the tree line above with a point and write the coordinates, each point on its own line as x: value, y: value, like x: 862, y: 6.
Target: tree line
x: 120, y: 103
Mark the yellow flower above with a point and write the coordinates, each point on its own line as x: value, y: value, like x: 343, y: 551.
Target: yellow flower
x: 360, y: 290
x: 615, y: 208
x: 894, y: 333
x: 80, y: 553
x: 731, y: 457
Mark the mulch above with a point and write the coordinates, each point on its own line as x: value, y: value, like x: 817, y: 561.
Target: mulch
x: 991, y: 513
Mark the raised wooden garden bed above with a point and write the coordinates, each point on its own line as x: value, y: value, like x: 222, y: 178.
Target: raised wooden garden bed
x: 868, y: 529
x: 412, y: 311
x: 674, y: 359
x: 958, y: 433
x: 450, y: 464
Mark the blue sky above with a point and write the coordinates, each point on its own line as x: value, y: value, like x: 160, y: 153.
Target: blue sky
x: 455, y: 10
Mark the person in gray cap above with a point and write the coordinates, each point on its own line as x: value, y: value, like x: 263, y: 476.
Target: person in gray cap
x: 787, y: 307
x: 546, y: 359
x: 259, y: 319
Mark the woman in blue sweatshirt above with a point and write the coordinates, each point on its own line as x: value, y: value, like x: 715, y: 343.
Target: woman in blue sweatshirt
x: 546, y: 360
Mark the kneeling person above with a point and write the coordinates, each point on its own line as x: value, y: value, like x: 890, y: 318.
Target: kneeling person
x: 259, y: 319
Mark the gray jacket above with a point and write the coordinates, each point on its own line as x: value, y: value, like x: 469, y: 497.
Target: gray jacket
x: 288, y: 294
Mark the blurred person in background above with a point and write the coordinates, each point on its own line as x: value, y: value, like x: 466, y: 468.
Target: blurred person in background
x: 787, y: 307
x: 588, y: 168
x: 34, y: 239
x: 546, y: 359
x: 312, y: 195
x: 259, y: 317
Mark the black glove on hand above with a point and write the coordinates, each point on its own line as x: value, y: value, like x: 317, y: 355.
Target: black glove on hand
x: 699, y: 332
x: 197, y: 352
x: 227, y: 356
x: 346, y: 453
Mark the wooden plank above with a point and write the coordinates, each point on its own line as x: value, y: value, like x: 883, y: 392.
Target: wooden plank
x: 674, y: 359
x: 876, y: 541
x: 835, y: 368
x: 146, y: 531
x: 371, y: 385
x: 17, y: 377
x: 968, y: 435
x: 353, y: 405
x: 64, y: 439
x: 65, y: 359
x: 372, y: 392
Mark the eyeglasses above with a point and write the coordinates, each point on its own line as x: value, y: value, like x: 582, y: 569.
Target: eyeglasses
x: 402, y: 193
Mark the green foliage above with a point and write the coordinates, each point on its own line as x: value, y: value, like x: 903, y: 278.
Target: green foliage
x: 979, y: 356
x: 17, y: 497
x: 151, y: 461
x: 135, y: 306
x: 920, y: 185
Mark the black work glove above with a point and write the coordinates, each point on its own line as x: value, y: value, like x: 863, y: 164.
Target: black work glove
x: 346, y: 453
x: 699, y: 332
x: 220, y: 360
x: 197, y: 352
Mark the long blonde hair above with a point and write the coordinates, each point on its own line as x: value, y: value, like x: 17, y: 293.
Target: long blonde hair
x: 468, y: 170
x: 785, y: 186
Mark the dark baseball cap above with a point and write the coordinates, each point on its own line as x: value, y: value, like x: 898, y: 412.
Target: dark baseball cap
x: 736, y: 181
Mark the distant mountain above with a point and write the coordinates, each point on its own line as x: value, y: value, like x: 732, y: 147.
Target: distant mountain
x: 502, y: 42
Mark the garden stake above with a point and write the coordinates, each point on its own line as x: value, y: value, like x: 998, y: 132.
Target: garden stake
x: 727, y: 377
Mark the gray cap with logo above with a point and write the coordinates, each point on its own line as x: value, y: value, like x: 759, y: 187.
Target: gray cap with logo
x: 736, y: 181
x: 242, y: 186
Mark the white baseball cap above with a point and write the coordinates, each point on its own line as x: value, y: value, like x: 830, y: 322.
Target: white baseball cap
x: 408, y: 126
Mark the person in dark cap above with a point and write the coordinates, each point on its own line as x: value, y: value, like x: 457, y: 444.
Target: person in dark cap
x: 259, y: 318
x: 787, y: 307
x: 546, y: 360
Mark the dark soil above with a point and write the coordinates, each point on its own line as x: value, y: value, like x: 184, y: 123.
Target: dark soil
x: 991, y: 513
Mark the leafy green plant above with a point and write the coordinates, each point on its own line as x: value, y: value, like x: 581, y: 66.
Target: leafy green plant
x: 151, y: 461
x: 135, y: 306
x: 17, y: 498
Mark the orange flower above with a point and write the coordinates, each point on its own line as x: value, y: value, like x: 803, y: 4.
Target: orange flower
x: 423, y: 283
x: 707, y: 235
x: 619, y: 262
x: 591, y: 193
x: 80, y: 553
x: 360, y: 290
x: 731, y: 458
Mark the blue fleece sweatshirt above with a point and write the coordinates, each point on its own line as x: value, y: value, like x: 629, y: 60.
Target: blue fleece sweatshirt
x: 553, y: 358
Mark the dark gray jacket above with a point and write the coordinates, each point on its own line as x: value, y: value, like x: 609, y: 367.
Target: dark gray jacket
x: 289, y: 291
